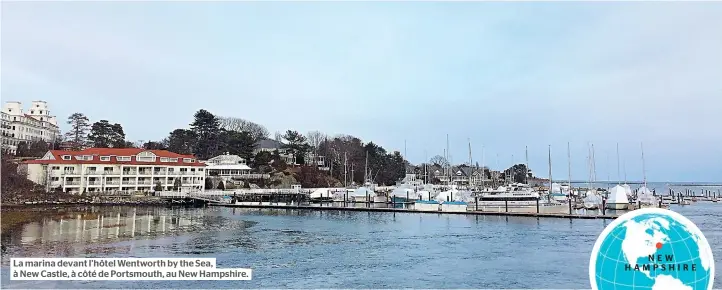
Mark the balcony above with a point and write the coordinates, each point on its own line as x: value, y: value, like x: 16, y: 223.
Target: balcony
x: 111, y: 172
x: 130, y: 172
x: 74, y: 182
x: 112, y: 182
x: 159, y: 172
x: 128, y: 182
x: 70, y: 172
x: 145, y: 172
x: 92, y: 172
x: 141, y: 182
x: 94, y: 182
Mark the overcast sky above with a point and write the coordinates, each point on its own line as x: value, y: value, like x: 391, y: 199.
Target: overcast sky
x: 504, y: 75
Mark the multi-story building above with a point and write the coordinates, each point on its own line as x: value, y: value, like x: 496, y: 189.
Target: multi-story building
x: 33, y: 124
x: 231, y: 168
x: 115, y: 169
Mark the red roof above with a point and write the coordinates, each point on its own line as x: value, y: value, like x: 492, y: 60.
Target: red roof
x: 112, y: 153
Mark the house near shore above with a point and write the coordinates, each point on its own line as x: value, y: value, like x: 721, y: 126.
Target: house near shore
x: 115, y: 170
x: 231, y: 168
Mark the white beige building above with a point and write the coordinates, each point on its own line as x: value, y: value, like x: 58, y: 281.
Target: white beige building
x: 26, y: 125
x: 231, y: 168
x: 115, y: 169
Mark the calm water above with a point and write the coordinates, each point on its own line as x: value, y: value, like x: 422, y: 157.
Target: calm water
x: 314, y: 249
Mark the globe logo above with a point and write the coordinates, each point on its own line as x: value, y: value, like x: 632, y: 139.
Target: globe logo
x: 653, y: 249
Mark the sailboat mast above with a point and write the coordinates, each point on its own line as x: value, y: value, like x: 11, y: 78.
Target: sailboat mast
x: 550, y: 169
x: 345, y: 169
x: 406, y: 167
x: 483, y: 164
x: 426, y: 163
x: 644, y: 169
x: 594, y: 164
x: 366, y: 168
x: 619, y: 176
x: 569, y: 167
x: 526, y: 164
x: 471, y: 165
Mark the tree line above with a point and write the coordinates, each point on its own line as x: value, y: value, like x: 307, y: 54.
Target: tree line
x: 347, y: 159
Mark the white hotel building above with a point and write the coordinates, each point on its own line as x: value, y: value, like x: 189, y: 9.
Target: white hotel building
x: 35, y: 123
x: 115, y: 169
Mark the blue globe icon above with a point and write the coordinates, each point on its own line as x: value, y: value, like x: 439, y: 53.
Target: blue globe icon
x: 651, y: 249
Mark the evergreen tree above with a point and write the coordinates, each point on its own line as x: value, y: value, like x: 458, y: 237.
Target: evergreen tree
x: 208, y: 132
x: 103, y: 134
x: 78, y: 133
x: 182, y: 141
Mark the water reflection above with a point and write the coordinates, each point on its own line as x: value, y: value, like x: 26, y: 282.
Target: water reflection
x: 89, y: 230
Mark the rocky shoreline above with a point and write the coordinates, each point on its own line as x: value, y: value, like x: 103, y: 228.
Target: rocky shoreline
x: 86, y: 200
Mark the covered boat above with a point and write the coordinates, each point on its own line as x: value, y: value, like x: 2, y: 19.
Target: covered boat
x: 404, y: 193
x: 361, y: 194
x: 592, y: 200
x: 454, y: 195
x: 617, y: 198
x: 322, y: 194
x: 645, y: 196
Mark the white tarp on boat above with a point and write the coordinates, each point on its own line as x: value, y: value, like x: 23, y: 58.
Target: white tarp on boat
x: 402, y: 191
x: 454, y: 195
x: 593, y: 198
x: 627, y: 189
x: 556, y: 188
x: 362, y: 191
x: 618, y: 195
x: 321, y: 192
x: 645, y: 196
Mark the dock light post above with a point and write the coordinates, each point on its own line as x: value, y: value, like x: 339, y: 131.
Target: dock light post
x: 537, y: 205
x: 506, y: 206
x: 476, y: 203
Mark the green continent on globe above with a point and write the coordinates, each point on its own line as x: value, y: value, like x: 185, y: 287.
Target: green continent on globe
x: 652, y: 249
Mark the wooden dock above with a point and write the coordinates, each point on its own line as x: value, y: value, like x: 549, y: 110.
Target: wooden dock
x: 403, y: 210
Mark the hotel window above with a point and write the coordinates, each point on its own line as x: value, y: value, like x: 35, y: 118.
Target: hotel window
x: 164, y: 159
x: 187, y: 160
x: 173, y: 159
x: 145, y: 159
x: 122, y: 158
x: 104, y: 158
x: 66, y: 157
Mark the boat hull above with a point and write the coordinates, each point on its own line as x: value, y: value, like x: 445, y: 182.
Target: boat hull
x: 617, y: 206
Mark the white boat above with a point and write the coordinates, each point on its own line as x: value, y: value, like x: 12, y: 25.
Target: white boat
x: 514, y: 194
x: 593, y: 200
x: 645, y: 196
x: 321, y: 195
x: 454, y: 195
x: 364, y: 194
x: 617, y: 199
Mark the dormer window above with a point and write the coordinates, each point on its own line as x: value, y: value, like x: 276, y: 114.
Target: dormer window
x: 104, y: 158
x: 187, y: 160
x: 122, y: 158
x: 164, y: 159
x: 173, y: 159
x: 66, y: 157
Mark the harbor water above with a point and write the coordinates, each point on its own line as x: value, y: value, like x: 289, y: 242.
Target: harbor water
x: 329, y: 249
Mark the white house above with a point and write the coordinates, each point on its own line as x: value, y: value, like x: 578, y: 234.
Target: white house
x: 115, y: 169
x: 230, y: 168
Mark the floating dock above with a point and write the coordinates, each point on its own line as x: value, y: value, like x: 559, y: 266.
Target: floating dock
x: 404, y: 210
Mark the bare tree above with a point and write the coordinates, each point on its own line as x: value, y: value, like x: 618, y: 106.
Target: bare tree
x: 256, y: 130
x: 439, y: 160
x: 315, y: 138
x: 278, y: 136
